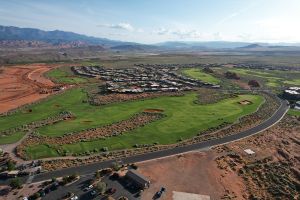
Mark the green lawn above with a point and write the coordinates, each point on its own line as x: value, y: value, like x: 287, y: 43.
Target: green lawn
x: 183, y: 120
x: 294, y: 112
x: 41, y: 151
x: 293, y: 82
x: 198, y: 74
x: 9, y: 139
x: 274, y: 78
x: 70, y: 100
x: 64, y: 75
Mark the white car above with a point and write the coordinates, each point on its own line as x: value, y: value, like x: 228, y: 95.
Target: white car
x: 91, y: 187
x: 74, y: 198
x: 88, y: 188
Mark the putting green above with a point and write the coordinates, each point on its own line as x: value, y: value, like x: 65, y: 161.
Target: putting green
x: 199, y: 75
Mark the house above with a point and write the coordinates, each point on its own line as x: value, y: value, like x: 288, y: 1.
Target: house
x: 292, y: 93
x: 138, y: 179
x: 297, y: 105
x: 10, y: 174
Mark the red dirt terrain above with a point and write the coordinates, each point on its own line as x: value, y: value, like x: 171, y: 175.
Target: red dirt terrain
x: 196, y: 173
x: 228, y: 172
x: 20, y: 85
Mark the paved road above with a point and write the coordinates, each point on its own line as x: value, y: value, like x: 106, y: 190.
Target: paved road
x: 91, y: 168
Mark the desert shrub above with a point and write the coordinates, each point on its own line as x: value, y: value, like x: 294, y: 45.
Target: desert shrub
x: 101, y: 187
x: 15, y: 183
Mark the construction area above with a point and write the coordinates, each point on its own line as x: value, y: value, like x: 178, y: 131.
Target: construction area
x: 20, y: 85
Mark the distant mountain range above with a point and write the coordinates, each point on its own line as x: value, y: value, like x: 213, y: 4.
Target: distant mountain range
x: 11, y: 36
x: 11, y: 33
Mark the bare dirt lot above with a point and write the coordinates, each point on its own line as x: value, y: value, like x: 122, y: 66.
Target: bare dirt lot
x: 228, y: 172
x: 192, y: 173
x: 21, y: 85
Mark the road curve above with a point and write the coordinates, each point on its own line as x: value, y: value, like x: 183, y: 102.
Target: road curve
x: 91, y: 168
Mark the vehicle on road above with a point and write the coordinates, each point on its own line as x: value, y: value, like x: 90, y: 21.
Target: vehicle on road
x: 111, y: 191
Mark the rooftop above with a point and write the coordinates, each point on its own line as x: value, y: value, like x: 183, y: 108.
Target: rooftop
x: 135, y: 175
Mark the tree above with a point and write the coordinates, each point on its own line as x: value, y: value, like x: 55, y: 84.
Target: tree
x: 73, y: 176
x: 15, y: 183
x: 36, y: 195
x: 134, y: 166
x: 10, y: 165
x: 115, y: 166
x: 97, y: 175
x: 253, y: 83
x: 53, y: 179
x: 101, y: 187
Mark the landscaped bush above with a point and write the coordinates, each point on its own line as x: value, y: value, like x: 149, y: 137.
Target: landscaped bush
x: 15, y: 183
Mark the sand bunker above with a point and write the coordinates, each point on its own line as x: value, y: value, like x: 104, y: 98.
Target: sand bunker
x: 153, y: 110
x: 245, y: 102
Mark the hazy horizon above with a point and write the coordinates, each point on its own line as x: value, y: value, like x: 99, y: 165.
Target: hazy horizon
x: 259, y: 21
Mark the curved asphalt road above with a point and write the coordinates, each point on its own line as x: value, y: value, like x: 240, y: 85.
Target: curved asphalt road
x: 91, y: 168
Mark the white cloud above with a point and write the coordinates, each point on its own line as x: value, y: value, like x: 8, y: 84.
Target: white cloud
x: 187, y: 34
x: 120, y: 26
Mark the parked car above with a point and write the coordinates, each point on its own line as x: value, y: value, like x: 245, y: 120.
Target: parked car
x: 47, y: 190
x: 111, y: 191
x: 93, y: 193
x: 42, y: 193
x: 86, y: 189
x: 74, y: 197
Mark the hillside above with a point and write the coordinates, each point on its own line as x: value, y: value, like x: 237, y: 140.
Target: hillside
x: 15, y: 36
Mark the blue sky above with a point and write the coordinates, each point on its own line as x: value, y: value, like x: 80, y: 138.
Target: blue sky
x: 154, y: 21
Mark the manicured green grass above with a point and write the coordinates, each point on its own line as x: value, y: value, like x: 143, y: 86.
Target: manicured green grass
x: 13, y: 138
x: 294, y: 112
x: 184, y: 120
x: 63, y: 75
x: 41, y: 151
x: 70, y: 100
x: 274, y: 78
x: 198, y: 74
x: 293, y: 82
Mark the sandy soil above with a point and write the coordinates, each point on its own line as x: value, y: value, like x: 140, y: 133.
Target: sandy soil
x: 242, y: 84
x: 195, y: 172
x: 26, y: 191
x: 20, y: 85
x: 216, y: 172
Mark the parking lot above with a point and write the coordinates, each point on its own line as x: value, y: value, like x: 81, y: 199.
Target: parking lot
x: 78, y: 189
